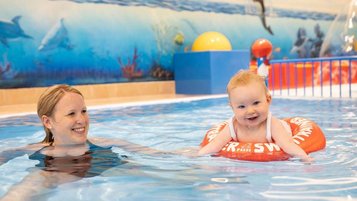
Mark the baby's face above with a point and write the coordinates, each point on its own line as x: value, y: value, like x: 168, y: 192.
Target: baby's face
x: 250, y: 104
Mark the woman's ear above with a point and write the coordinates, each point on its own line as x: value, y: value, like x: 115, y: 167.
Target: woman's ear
x: 46, y: 121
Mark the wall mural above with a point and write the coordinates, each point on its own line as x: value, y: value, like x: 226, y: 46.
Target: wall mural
x: 112, y: 41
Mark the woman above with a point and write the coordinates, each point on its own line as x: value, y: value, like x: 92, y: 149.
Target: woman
x: 66, y: 153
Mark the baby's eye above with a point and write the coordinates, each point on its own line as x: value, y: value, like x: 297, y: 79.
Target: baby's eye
x: 256, y: 102
x: 241, y: 107
x: 84, y: 111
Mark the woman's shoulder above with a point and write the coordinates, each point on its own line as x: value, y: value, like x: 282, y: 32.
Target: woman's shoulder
x: 104, y: 142
x: 29, y: 147
x: 9, y: 154
x: 33, y: 147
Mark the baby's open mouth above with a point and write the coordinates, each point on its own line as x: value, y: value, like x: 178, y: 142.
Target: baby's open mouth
x: 252, y: 118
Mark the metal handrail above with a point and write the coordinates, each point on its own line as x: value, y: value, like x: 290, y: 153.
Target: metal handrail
x: 289, y: 74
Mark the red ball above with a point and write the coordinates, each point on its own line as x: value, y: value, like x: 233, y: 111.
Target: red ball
x: 261, y: 48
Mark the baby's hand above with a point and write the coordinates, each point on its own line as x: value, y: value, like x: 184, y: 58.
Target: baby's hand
x: 308, y: 160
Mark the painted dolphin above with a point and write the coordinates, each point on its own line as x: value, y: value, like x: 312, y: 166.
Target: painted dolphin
x: 301, y: 43
x: 56, y: 37
x: 11, y: 30
x: 262, y: 16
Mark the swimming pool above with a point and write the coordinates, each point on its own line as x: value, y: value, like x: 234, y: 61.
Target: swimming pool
x: 172, y: 126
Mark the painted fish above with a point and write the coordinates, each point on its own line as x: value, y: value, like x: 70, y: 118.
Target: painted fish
x: 11, y: 30
x: 56, y: 37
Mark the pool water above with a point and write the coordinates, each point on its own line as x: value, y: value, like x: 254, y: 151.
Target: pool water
x: 180, y: 125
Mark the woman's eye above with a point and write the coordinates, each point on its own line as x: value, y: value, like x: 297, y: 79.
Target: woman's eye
x: 71, y: 114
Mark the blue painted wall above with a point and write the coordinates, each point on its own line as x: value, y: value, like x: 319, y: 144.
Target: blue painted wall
x: 81, y: 42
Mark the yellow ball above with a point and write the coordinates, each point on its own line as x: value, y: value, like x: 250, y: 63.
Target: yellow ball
x: 211, y: 41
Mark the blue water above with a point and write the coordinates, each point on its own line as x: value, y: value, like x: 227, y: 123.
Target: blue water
x: 175, y: 177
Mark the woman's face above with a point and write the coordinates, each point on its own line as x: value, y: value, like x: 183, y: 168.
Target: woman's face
x: 69, y: 122
x: 250, y: 104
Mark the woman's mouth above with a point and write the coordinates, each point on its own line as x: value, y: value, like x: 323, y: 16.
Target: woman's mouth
x: 79, y: 130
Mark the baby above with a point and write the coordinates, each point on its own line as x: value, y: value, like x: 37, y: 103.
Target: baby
x: 250, y: 99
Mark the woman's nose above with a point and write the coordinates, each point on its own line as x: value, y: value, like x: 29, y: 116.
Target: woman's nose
x: 81, y: 118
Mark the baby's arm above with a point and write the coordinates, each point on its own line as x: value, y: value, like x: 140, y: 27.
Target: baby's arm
x: 286, y: 142
x: 217, y: 143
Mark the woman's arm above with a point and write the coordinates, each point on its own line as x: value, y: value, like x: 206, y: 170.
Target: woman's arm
x: 10, y: 154
x: 129, y: 146
x: 284, y: 140
x: 217, y: 143
x: 36, y: 183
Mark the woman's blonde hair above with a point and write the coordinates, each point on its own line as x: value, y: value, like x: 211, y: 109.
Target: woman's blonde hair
x: 47, y: 102
x: 244, y: 77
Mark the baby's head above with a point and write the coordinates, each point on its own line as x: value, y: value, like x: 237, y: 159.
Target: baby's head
x: 245, y: 77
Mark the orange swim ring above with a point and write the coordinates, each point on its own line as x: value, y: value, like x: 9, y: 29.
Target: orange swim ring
x: 306, y: 134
